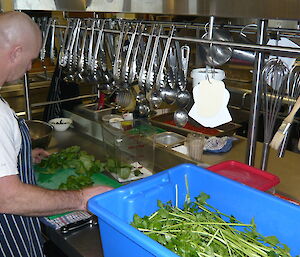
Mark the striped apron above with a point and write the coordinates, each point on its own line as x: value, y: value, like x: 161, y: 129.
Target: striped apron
x: 20, y: 236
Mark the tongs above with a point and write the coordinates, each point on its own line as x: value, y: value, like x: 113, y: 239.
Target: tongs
x: 160, y: 77
x: 133, y: 64
x: 125, y: 68
x: 143, y: 72
x: 150, y: 73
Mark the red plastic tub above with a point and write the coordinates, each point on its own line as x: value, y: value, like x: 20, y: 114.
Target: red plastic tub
x: 246, y: 174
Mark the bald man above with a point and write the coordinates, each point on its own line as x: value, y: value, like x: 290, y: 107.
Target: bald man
x: 21, y: 201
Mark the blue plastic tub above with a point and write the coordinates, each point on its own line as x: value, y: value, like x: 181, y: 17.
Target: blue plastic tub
x: 115, y: 209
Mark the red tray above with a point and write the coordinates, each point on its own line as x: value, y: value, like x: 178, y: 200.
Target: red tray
x: 246, y: 174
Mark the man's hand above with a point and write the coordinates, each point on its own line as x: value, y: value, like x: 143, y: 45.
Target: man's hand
x: 89, y: 192
x: 39, y: 154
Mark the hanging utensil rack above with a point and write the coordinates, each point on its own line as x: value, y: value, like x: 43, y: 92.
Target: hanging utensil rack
x: 259, y: 47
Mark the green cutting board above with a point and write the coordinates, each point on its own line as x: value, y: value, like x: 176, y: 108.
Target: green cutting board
x: 52, y: 181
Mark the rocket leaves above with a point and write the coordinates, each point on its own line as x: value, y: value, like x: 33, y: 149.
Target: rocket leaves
x: 199, y: 230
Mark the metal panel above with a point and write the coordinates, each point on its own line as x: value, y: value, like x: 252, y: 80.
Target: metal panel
x: 269, y: 9
x: 6, y: 5
x: 34, y: 5
x: 50, y: 5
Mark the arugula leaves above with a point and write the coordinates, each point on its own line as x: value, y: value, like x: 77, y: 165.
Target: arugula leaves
x: 84, y: 164
x: 201, y: 230
x: 76, y: 182
x: 72, y: 157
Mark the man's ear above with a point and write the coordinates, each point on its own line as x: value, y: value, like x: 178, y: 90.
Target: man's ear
x: 15, y: 54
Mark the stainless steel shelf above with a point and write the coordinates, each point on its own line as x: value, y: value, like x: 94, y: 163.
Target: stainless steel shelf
x: 267, y: 9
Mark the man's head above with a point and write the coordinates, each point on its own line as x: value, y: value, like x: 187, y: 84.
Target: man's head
x: 20, y: 40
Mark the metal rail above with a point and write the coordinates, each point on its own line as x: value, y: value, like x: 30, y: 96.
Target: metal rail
x: 195, y: 25
x: 63, y: 100
x: 277, y: 50
x: 256, y: 95
x: 245, y: 92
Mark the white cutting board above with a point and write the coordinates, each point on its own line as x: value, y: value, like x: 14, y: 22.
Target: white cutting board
x: 209, y: 97
x: 210, y: 107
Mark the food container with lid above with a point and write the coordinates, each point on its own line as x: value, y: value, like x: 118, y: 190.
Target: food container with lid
x: 248, y: 175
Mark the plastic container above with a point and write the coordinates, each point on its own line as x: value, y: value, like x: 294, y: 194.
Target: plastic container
x: 115, y: 209
x: 128, y: 148
x: 195, y: 143
x: 246, y: 174
x: 202, y: 74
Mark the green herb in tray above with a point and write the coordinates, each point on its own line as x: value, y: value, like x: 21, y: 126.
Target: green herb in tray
x: 122, y: 169
x: 201, y: 230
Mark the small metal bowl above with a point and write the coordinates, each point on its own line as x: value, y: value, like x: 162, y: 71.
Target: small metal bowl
x: 40, y: 133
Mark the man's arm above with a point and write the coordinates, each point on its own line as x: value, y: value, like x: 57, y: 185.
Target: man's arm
x: 29, y: 200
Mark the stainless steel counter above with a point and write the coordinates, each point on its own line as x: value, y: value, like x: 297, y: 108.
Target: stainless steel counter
x: 81, y: 243
x: 86, y: 241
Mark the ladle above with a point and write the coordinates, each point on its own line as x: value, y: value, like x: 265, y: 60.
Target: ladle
x: 181, y: 117
x: 155, y: 99
x: 142, y: 104
x: 168, y: 94
x: 183, y: 96
x: 144, y: 109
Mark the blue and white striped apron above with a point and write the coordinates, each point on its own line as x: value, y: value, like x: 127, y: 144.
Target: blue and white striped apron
x: 20, y: 236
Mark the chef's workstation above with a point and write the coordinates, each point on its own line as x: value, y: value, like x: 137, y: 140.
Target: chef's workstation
x: 197, y: 101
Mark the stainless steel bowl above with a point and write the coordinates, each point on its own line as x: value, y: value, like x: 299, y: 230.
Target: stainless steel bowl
x: 40, y: 133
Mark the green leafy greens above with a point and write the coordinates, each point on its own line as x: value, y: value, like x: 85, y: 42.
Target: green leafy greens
x: 76, y: 182
x: 201, y: 230
x: 84, y: 165
x: 72, y: 157
x: 122, y: 169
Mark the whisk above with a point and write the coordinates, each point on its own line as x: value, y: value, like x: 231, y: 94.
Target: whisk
x: 274, y: 76
x: 280, y: 139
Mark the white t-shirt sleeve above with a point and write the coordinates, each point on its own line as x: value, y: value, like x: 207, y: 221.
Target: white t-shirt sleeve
x: 10, y: 141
